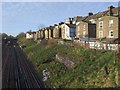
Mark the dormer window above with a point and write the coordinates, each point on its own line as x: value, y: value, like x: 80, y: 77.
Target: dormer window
x: 101, y: 24
x: 110, y: 23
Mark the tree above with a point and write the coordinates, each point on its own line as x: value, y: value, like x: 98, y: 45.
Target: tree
x: 10, y: 36
x: 21, y: 37
x: 4, y: 35
x: 41, y: 26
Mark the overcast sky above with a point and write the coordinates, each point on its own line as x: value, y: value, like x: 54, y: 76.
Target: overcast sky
x: 22, y: 17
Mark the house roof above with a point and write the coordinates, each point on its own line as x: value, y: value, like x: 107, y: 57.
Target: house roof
x: 116, y: 11
x: 95, y: 16
x: 31, y: 32
x: 100, y: 14
x: 71, y: 25
x: 51, y: 27
x: 77, y: 18
x: 82, y: 18
x: 34, y: 32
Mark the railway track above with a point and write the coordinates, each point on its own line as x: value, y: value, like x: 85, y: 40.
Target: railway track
x: 17, y: 71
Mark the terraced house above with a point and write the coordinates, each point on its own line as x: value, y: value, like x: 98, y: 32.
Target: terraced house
x: 85, y: 28
x: 56, y: 31
x: 36, y: 35
x: 31, y: 35
x: 100, y: 25
x: 46, y: 33
x: 107, y: 24
x: 103, y: 25
x: 51, y: 32
x: 42, y: 33
x: 67, y: 29
x: 62, y: 26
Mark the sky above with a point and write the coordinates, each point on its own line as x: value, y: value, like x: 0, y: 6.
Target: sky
x: 20, y: 17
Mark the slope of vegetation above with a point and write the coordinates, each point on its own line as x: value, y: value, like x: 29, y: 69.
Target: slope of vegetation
x: 93, y: 68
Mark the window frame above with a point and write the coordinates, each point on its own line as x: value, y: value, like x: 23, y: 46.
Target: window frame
x: 110, y: 23
x: 100, y: 24
x: 101, y: 35
x: 84, y: 27
x: 111, y: 34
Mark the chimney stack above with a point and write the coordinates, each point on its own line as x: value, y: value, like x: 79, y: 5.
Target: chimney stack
x: 90, y: 13
x: 110, y: 10
x: 55, y: 24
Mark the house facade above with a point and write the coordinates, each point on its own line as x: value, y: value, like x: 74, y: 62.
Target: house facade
x: 85, y: 29
x: 102, y: 25
x: 56, y: 31
x: 76, y: 19
x: 42, y: 33
x: 46, y: 33
x: 51, y: 32
x: 36, y: 35
x: 62, y: 26
x: 108, y: 25
x: 69, y: 31
x: 29, y: 35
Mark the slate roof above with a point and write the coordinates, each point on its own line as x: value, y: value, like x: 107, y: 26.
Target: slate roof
x: 77, y: 18
x: 100, y: 14
x: 71, y: 25
x: 31, y: 32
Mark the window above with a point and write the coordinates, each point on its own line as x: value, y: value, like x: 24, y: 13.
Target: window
x: 92, y: 20
x: 111, y: 34
x: 84, y: 27
x: 78, y: 28
x: 101, y: 24
x: 110, y: 23
x: 100, y: 34
x: 84, y: 33
x: 72, y: 30
x: 99, y: 18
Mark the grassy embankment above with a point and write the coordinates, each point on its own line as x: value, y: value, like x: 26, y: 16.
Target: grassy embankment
x: 93, y: 68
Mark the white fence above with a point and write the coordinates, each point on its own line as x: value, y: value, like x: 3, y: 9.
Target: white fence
x: 98, y: 45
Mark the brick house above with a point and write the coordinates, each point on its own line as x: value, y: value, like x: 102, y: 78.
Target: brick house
x: 62, y: 27
x: 29, y: 35
x: 51, y: 32
x: 56, y: 31
x: 36, y: 35
x: 67, y: 31
x: 76, y: 19
x: 42, y: 33
x: 85, y: 28
x: 46, y: 33
x: 107, y: 25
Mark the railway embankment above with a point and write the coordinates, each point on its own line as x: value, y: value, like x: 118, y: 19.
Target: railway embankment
x: 94, y: 68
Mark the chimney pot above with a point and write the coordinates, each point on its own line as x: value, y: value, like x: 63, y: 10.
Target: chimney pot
x: 90, y: 13
x: 110, y: 7
x: 110, y: 10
